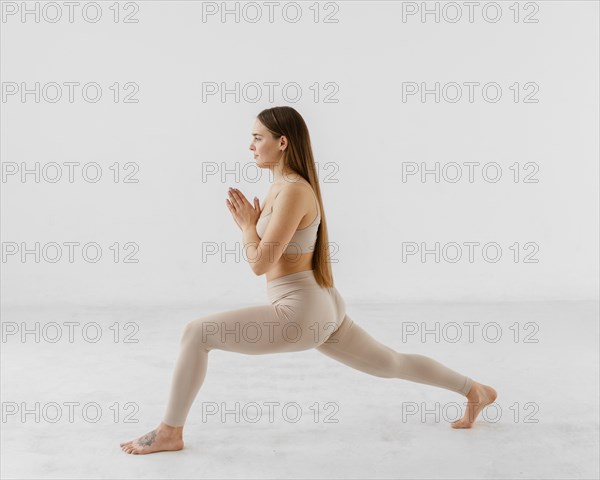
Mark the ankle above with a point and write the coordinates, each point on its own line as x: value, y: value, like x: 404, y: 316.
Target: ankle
x: 171, y: 430
x: 474, y: 392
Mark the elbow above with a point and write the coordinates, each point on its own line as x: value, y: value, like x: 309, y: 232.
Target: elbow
x: 255, y: 270
x: 259, y: 269
x: 262, y: 266
x: 264, y: 261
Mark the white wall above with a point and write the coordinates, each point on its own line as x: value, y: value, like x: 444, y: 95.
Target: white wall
x: 360, y: 143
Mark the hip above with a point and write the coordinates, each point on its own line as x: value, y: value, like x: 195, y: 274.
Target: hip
x: 300, y: 298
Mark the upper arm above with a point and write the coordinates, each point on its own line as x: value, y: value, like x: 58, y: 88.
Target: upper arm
x: 287, y: 213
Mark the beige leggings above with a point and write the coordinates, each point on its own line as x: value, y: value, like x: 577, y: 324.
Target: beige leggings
x: 302, y: 315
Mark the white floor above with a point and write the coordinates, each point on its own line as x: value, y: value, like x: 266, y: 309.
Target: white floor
x: 548, y: 425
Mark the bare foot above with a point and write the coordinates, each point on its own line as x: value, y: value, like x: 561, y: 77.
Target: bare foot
x: 160, y: 439
x: 477, y: 399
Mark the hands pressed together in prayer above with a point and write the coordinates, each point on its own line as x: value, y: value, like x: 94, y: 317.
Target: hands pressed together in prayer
x: 244, y: 213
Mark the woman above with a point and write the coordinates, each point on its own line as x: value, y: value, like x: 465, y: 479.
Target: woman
x: 289, y: 245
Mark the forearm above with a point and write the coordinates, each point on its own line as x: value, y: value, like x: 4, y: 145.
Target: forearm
x: 252, y: 250
x: 261, y: 255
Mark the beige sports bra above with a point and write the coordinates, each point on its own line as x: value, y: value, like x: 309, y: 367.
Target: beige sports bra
x: 303, y: 240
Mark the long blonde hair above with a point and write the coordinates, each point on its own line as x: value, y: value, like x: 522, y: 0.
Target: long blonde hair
x: 298, y: 157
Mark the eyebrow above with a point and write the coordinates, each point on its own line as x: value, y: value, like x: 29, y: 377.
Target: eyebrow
x: 257, y: 134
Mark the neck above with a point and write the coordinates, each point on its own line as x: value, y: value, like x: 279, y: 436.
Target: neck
x: 280, y: 177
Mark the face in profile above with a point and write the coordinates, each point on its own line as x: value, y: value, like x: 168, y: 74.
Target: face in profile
x: 265, y: 148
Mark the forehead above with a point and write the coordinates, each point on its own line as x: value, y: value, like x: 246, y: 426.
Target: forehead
x: 258, y: 128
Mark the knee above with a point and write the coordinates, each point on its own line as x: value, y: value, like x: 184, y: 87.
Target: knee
x: 391, y: 364
x: 189, y: 333
x: 189, y: 330
x: 197, y: 334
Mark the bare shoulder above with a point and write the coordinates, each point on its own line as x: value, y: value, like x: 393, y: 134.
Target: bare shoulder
x: 297, y: 191
x: 295, y: 186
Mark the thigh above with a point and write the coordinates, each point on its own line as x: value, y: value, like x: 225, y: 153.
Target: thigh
x: 251, y: 330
